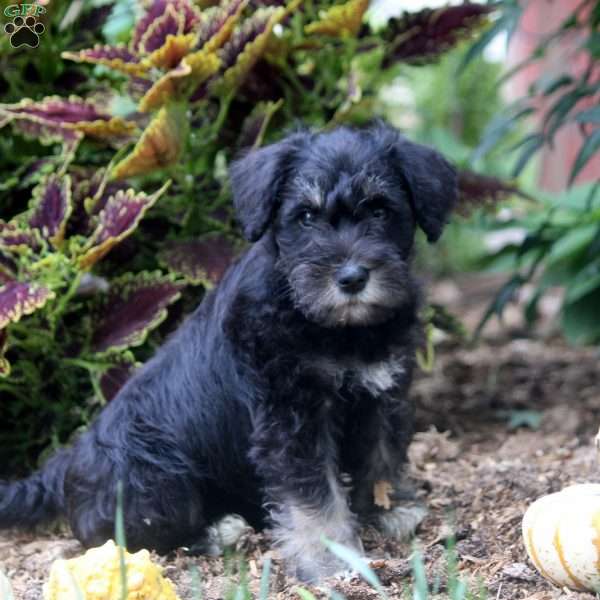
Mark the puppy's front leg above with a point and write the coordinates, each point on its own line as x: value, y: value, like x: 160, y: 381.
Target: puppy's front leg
x: 381, y: 495
x: 296, y: 457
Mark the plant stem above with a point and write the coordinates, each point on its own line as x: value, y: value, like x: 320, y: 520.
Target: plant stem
x: 64, y: 300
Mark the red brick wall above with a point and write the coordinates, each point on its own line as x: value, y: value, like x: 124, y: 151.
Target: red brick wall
x: 541, y: 17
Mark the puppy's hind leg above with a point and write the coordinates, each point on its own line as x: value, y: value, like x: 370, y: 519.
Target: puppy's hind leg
x: 158, y: 514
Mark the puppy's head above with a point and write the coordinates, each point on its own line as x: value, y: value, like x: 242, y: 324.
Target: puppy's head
x: 342, y: 207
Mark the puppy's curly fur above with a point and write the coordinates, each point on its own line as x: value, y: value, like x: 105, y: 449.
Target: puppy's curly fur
x: 283, y: 397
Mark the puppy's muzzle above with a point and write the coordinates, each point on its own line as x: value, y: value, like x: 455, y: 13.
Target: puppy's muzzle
x: 352, y: 278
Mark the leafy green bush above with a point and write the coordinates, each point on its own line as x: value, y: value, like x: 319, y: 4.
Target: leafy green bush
x: 163, y: 109
x: 562, y: 232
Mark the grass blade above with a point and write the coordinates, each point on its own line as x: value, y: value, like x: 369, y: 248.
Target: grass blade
x: 356, y: 562
x: 264, y: 580
x: 196, y: 583
x: 120, y: 539
x: 305, y: 594
x: 6, y: 592
x: 421, y: 588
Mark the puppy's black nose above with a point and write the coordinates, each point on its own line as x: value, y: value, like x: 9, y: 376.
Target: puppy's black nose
x: 352, y: 278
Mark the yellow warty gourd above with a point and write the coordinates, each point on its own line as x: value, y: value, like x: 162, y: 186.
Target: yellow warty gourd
x: 97, y: 576
x: 562, y: 536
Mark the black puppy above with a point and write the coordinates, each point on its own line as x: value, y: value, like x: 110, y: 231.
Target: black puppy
x: 285, y: 393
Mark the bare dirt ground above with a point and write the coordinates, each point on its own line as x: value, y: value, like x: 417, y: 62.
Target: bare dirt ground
x: 499, y: 425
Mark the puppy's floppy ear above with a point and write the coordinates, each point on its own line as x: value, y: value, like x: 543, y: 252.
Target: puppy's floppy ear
x: 432, y: 182
x: 256, y: 181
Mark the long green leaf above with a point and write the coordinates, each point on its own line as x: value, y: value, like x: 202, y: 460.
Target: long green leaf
x: 498, y: 128
x: 507, y: 22
x: 586, y: 282
x: 590, y: 115
x: 580, y: 320
x: 575, y: 240
x: 531, y: 144
x: 588, y: 150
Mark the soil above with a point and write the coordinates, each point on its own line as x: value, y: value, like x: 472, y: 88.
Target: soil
x: 500, y: 424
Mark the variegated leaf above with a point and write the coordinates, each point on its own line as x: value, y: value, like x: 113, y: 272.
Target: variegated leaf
x: 199, y: 261
x: 217, y: 23
x: 18, y: 299
x: 8, y: 268
x: 133, y: 306
x: 245, y: 47
x: 56, y: 110
x: 342, y: 20
x: 47, y: 133
x: 177, y: 83
x: 51, y: 207
x: 65, y: 119
x: 166, y: 89
x: 159, y: 146
x: 421, y: 37
x: 119, y: 58
x: 118, y: 219
x: 4, y: 364
x: 162, y: 18
x: 17, y: 238
x: 172, y: 51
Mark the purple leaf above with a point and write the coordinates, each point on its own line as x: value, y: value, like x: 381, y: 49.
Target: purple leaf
x: 36, y: 170
x: 18, y: 299
x: 133, y: 306
x: 120, y: 58
x: 162, y: 18
x: 169, y: 23
x: 421, y: 37
x: 249, y: 30
x: 246, y: 47
x: 199, y: 261
x: 8, y: 269
x: 54, y: 109
x: 17, y: 239
x: 115, y: 377
x: 48, y: 133
x: 65, y: 119
x: 477, y: 191
x: 4, y: 364
x: 217, y: 24
x: 118, y: 219
x: 51, y: 207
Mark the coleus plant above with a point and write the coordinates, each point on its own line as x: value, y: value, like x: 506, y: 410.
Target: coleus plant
x: 89, y: 266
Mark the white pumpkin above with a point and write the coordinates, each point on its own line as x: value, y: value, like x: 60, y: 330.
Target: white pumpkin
x: 562, y: 536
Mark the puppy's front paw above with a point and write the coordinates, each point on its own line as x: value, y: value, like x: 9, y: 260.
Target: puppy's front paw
x: 222, y: 535
x: 401, y: 521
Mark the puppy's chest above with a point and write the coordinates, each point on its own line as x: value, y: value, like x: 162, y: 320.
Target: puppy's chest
x: 373, y: 377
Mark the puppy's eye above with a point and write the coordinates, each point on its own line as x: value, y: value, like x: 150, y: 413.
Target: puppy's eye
x: 307, y: 217
x: 380, y: 212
